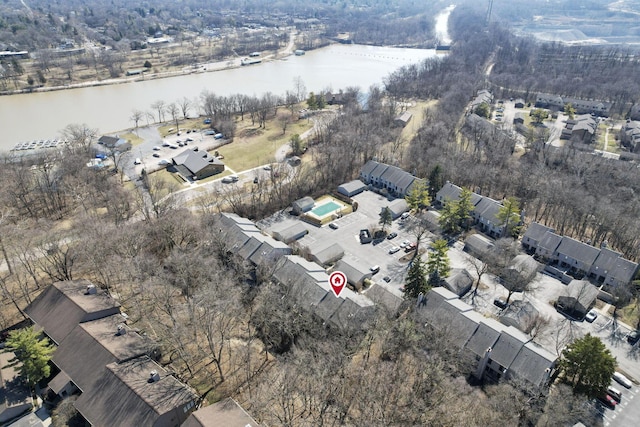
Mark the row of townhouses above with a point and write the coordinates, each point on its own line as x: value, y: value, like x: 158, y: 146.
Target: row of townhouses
x: 485, y: 209
x: 494, y: 350
x: 390, y: 178
x: 581, y: 106
x: 601, y: 264
x: 581, y: 128
x: 111, y: 366
x: 630, y: 136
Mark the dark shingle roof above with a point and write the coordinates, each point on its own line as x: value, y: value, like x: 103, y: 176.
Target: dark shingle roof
x: 195, y: 161
x: 579, y: 251
x: 536, y: 231
x: 550, y: 242
x: 126, y: 397
x: 62, y: 305
x: 533, y: 363
x: 508, y: 346
x: 85, y: 352
x: 485, y: 336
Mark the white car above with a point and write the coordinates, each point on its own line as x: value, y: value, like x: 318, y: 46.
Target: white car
x: 394, y: 249
x: 404, y: 243
x: 156, y: 148
x: 622, y: 380
x: 164, y: 162
x: 591, y: 315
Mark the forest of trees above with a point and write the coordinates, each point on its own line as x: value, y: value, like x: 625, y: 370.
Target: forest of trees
x: 231, y: 331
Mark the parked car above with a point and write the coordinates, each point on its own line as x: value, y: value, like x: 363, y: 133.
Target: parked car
x: 620, y: 378
x: 333, y: 226
x: 207, y: 121
x: 500, y: 302
x: 156, y: 154
x: 404, y: 243
x: 156, y: 148
x: 392, y: 236
x: 267, y: 168
x: 137, y: 161
x: 386, y: 279
x: 394, y: 249
x: 591, y: 315
x: 227, y: 180
x: 375, y: 269
x: 608, y: 401
x: 633, y: 337
x: 410, y: 247
x: 615, y: 393
x: 255, y: 180
x: 164, y: 162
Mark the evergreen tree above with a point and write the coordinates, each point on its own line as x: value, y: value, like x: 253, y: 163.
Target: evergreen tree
x: 483, y: 110
x: 32, y: 351
x: 449, y: 218
x: 416, y: 281
x: 438, y: 263
x: 569, y: 110
x: 386, y: 217
x: 464, y: 208
x: 436, y: 181
x: 312, y: 101
x: 587, y: 366
x: 418, y: 198
x: 509, y: 216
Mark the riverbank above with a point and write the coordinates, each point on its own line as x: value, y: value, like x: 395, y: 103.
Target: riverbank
x: 226, y: 64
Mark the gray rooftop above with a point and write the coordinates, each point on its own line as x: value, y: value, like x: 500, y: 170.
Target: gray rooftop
x: 533, y: 363
x: 508, y: 346
x: 579, y: 251
x: 62, y: 305
x: 485, y: 336
x: 195, y: 161
x: 536, y: 231
x: 126, y: 397
x: 85, y: 352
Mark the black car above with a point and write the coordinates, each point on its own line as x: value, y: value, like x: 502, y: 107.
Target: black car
x: 633, y: 337
x: 386, y: 279
x: 392, y: 236
x: 501, y: 303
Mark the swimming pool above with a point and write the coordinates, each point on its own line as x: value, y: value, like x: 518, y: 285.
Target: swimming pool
x: 326, y: 208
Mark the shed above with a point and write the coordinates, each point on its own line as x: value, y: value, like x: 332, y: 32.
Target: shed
x: 397, y: 208
x: 518, y: 119
x: 580, y: 297
x: 518, y: 103
x: 519, y: 314
x: 352, y: 188
x: 478, y: 245
x: 459, y: 281
x: 288, y: 233
x: 403, y: 119
x: 303, y: 205
x: 355, y: 272
x: 326, y: 254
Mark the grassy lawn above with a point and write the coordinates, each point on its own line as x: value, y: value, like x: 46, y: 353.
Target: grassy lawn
x: 411, y: 129
x: 132, y: 138
x: 253, y: 147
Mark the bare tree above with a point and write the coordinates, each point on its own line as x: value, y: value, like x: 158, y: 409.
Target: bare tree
x: 80, y: 135
x: 159, y: 107
x: 136, y: 116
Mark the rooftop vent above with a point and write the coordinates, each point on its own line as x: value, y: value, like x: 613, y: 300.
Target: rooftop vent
x: 121, y: 329
x: 91, y: 290
x: 154, y: 376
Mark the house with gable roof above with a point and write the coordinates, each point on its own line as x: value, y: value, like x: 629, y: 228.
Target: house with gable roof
x: 391, y: 178
x: 197, y: 164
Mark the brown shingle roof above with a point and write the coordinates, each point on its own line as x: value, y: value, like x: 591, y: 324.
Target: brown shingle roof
x: 60, y: 307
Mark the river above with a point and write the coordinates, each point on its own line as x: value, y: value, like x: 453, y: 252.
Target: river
x: 108, y: 109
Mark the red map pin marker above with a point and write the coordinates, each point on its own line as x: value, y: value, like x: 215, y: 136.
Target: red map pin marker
x: 338, y: 280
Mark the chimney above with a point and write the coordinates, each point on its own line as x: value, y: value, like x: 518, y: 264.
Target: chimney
x: 154, y: 377
x: 121, y: 329
x: 91, y: 290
